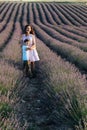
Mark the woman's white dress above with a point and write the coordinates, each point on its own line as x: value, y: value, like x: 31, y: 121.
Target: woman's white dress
x: 31, y: 55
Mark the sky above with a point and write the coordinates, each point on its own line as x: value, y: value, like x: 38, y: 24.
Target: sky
x: 49, y: 0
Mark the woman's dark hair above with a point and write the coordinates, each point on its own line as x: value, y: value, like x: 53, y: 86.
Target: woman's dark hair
x: 32, y: 30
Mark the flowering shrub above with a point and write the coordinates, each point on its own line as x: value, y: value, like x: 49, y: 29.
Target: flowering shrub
x: 63, y: 29
x: 65, y: 87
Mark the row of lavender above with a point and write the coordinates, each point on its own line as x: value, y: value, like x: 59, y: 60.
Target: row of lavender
x: 9, y: 74
x: 10, y: 66
x: 8, y: 25
x: 58, y: 34
x: 62, y: 83
x: 27, y: 6
x: 58, y: 81
x: 57, y: 14
x: 51, y: 38
x: 70, y: 102
x: 62, y: 35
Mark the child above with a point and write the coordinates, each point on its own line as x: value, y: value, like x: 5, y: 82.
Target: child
x: 25, y: 56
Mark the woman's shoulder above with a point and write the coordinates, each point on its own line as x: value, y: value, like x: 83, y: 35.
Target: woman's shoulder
x: 32, y: 34
x: 23, y: 35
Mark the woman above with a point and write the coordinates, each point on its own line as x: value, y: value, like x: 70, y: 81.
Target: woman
x: 33, y: 55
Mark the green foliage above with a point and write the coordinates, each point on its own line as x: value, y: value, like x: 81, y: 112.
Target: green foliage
x: 71, y: 110
x: 84, y: 40
x: 32, y: 127
x: 3, y: 90
x: 5, y: 110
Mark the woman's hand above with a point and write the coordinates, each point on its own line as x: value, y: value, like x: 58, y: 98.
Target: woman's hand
x: 28, y: 49
x: 33, y: 47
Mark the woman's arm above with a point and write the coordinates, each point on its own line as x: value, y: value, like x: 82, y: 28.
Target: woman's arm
x: 33, y: 42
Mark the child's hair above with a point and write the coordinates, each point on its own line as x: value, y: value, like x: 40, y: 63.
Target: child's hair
x: 26, y: 40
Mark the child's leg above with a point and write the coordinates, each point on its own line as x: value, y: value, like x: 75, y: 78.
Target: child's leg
x: 27, y: 68
x: 24, y: 67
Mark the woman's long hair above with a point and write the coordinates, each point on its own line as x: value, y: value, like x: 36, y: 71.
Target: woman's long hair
x: 32, y: 30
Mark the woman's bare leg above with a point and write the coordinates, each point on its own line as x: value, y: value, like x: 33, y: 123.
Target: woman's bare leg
x: 33, y: 68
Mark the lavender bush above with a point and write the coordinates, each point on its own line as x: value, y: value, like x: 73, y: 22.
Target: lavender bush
x: 71, y: 53
x: 9, y: 74
x: 64, y: 80
x: 4, y: 36
x: 63, y: 84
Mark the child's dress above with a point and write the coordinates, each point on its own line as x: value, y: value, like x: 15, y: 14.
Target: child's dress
x: 31, y: 55
x: 25, y: 54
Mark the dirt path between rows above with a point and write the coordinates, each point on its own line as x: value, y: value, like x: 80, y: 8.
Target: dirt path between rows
x: 32, y: 107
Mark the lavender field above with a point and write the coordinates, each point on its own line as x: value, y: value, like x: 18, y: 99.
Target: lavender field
x: 57, y: 98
